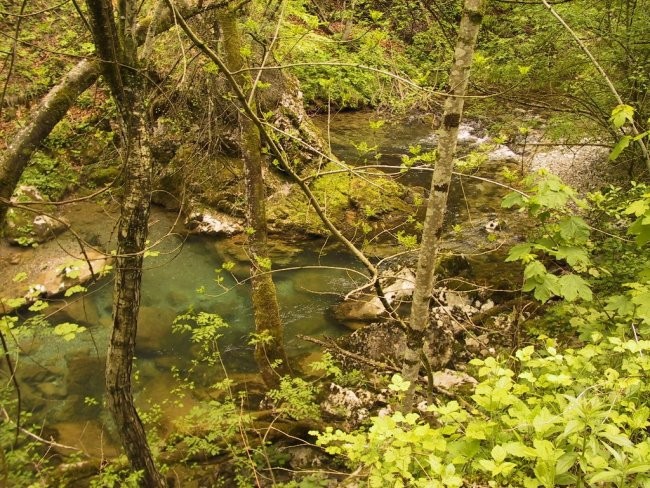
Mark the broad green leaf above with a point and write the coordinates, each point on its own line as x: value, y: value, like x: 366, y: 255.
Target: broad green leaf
x: 513, y: 199
x: 499, y: 454
x: 641, y: 231
x: 520, y: 252
x: 573, y: 287
x: 620, y: 304
x: 542, y: 422
x: 38, y: 305
x: 68, y: 330
x: 565, y: 463
x: 520, y: 450
x: 14, y: 302
x: 534, y: 270
x: 638, y: 207
x: 608, y: 476
x: 476, y: 430
x: 75, y: 289
x: 574, y: 229
x: 574, y: 256
x: 618, y: 439
x: 22, y: 276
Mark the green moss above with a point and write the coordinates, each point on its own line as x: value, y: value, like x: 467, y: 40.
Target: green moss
x: 350, y: 202
x: 51, y: 175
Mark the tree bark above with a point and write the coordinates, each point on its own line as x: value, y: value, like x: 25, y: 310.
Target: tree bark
x: 269, y: 348
x: 116, y: 44
x: 418, y: 338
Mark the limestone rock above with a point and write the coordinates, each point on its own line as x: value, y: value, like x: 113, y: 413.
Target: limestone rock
x: 23, y: 227
x: 454, y: 381
x: 367, y: 307
x: 202, y: 220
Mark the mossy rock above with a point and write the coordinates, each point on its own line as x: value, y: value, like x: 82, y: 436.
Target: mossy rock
x: 360, y: 207
x: 101, y: 175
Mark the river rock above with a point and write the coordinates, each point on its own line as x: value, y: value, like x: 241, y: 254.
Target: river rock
x: 378, y: 341
x: 202, y: 220
x: 64, y: 272
x: 24, y: 227
x: 454, y: 381
x: 367, y: 307
x: 81, y: 311
x: 154, y: 329
x: 90, y: 436
x: 305, y: 457
x: 83, y: 367
x: 351, y: 405
x: 503, y: 153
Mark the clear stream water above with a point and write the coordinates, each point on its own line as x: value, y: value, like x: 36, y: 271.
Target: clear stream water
x: 63, y: 381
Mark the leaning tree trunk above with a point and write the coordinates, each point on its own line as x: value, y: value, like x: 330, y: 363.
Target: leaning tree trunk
x: 420, y: 344
x: 269, y: 348
x: 117, y: 44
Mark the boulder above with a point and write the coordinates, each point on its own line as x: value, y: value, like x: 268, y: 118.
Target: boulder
x: 154, y: 330
x: 47, y: 271
x: 202, y: 220
x: 367, y: 307
x: 24, y: 228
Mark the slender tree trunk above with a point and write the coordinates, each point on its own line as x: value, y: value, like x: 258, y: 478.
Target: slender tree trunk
x: 418, y: 340
x: 116, y: 44
x: 269, y: 349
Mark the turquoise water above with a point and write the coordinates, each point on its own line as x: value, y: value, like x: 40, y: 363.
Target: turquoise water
x: 64, y: 379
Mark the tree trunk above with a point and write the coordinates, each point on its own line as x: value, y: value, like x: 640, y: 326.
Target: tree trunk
x: 269, y: 348
x: 117, y: 46
x: 418, y: 340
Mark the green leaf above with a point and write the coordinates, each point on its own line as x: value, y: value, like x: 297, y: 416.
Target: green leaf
x: 38, y: 305
x: 565, y: 463
x: 622, y: 114
x: 574, y: 229
x: 618, y: 439
x: 520, y: 252
x: 476, y: 430
x: 14, y: 302
x: 513, y: 199
x: 68, y: 330
x: 22, y: 276
x: 608, y: 476
x: 641, y: 231
x: 573, y: 287
x: 638, y: 207
x: 620, y: 146
x: 499, y: 454
x: 75, y: 289
x: 574, y: 256
x: 534, y: 270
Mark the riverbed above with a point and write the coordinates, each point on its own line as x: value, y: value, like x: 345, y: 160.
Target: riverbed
x: 62, y: 380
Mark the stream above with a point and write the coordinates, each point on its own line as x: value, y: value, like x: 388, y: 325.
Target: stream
x: 62, y: 381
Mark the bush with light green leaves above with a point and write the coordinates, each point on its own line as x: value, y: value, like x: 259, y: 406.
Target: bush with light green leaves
x: 550, y: 415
